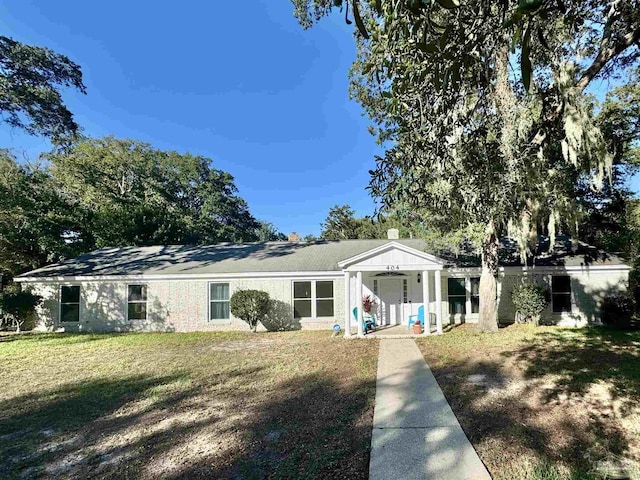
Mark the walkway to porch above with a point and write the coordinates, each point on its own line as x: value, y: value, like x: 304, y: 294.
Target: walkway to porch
x: 415, y: 433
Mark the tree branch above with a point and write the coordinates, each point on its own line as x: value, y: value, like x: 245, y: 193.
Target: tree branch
x: 605, y: 54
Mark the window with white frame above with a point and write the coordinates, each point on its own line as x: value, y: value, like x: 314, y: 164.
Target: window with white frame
x: 474, y: 283
x: 457, y: 295
x: 137, y: 302
x: 561, y: 293
x: 219, y: 301
x: 313, y: 299
x: 463, y: 295
x: 70, y: 303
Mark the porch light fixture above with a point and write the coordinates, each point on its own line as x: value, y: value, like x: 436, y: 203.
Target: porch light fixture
x: 418, y: 277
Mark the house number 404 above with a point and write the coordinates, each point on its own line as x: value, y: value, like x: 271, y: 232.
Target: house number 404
x: 393, y: 267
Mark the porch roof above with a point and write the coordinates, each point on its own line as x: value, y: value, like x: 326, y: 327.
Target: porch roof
x: 393, y: 256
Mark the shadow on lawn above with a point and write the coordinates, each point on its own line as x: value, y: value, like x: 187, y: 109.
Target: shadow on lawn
x: 539, y: 418
x: 309, y: 427
x: 583, y: 358
x: 313, y: 428
x: 39, y: 428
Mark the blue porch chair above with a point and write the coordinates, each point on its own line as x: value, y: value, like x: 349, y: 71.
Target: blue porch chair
x: 368, y: 323
x: 419, y: 317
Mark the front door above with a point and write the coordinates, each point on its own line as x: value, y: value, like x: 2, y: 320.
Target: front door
x: 391, y: 301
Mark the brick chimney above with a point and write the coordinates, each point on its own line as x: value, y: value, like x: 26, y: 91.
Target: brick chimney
x: 294, y: 237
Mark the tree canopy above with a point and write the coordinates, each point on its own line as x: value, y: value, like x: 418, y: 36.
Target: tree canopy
x: 267, y: 232
x: 342, y: 224
x: 36, y: 221
x: 132, y: 194
x: 31, y: 80
x: 112, y: 192
x: 611, y: 216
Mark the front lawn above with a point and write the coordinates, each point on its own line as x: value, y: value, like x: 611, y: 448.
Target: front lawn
x: 545, y: 402
x: 203, y: 405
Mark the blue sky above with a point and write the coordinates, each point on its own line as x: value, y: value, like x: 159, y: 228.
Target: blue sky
x: 238, y: 82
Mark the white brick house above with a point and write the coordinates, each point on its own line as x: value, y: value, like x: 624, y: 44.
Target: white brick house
x: 312, y: 285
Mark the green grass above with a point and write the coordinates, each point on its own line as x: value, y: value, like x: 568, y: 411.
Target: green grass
x: 546, y: 402
x: 204, y: 405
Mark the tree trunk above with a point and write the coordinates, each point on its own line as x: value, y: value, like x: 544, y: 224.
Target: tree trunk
x: 488, y: 321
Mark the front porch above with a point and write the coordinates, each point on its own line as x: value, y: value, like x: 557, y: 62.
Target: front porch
x: 403, y: 283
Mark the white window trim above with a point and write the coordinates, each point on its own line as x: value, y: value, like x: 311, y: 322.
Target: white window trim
x: 466, y: 297
x: 468, y: 284
x: 467, y: 302
x: 217, y: 321
x: 313, y: 299
x: 570, y: 293
x: 467, y: 292
x: 60, y: 322
x: 146, y: 302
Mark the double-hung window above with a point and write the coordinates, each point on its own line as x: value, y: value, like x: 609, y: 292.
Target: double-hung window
x: 464, y: 295
x: 136, y: 302
x: 474, y: 282
x: 313, y: 299
x: 457, y: 296
x: 70, y: 303
x: 561, y: 293
x: 219, y: 301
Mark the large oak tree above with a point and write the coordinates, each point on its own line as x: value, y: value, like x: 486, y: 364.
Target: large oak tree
x: 133, y: 194
x: 112, y: 192
x: 481, y: 106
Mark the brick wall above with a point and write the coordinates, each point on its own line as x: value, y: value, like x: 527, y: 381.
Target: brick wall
x: 180, y: 306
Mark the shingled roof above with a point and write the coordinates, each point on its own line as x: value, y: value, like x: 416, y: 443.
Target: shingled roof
x: 221, y: 258
x: 259, y: 257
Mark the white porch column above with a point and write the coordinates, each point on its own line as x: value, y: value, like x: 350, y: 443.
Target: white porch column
x: 425, y: 302
x: 347, y: 304
x: 438, y: 302
x: 359, y: 302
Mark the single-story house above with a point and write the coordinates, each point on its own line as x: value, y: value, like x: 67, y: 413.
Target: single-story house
x: 312, y: 285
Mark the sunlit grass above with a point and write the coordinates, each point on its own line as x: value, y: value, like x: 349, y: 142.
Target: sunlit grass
x: 178, y: 402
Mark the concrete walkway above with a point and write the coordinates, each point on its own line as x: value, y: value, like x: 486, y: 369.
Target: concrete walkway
x: 415, y: 433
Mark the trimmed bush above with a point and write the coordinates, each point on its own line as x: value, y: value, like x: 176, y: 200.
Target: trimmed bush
x: 617, y: 310
x: 250, y: 305
x: 17, y: 307
x: 530, y: 299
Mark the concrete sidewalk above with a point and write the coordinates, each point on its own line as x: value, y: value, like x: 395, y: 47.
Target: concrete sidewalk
x: 415, y: 433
